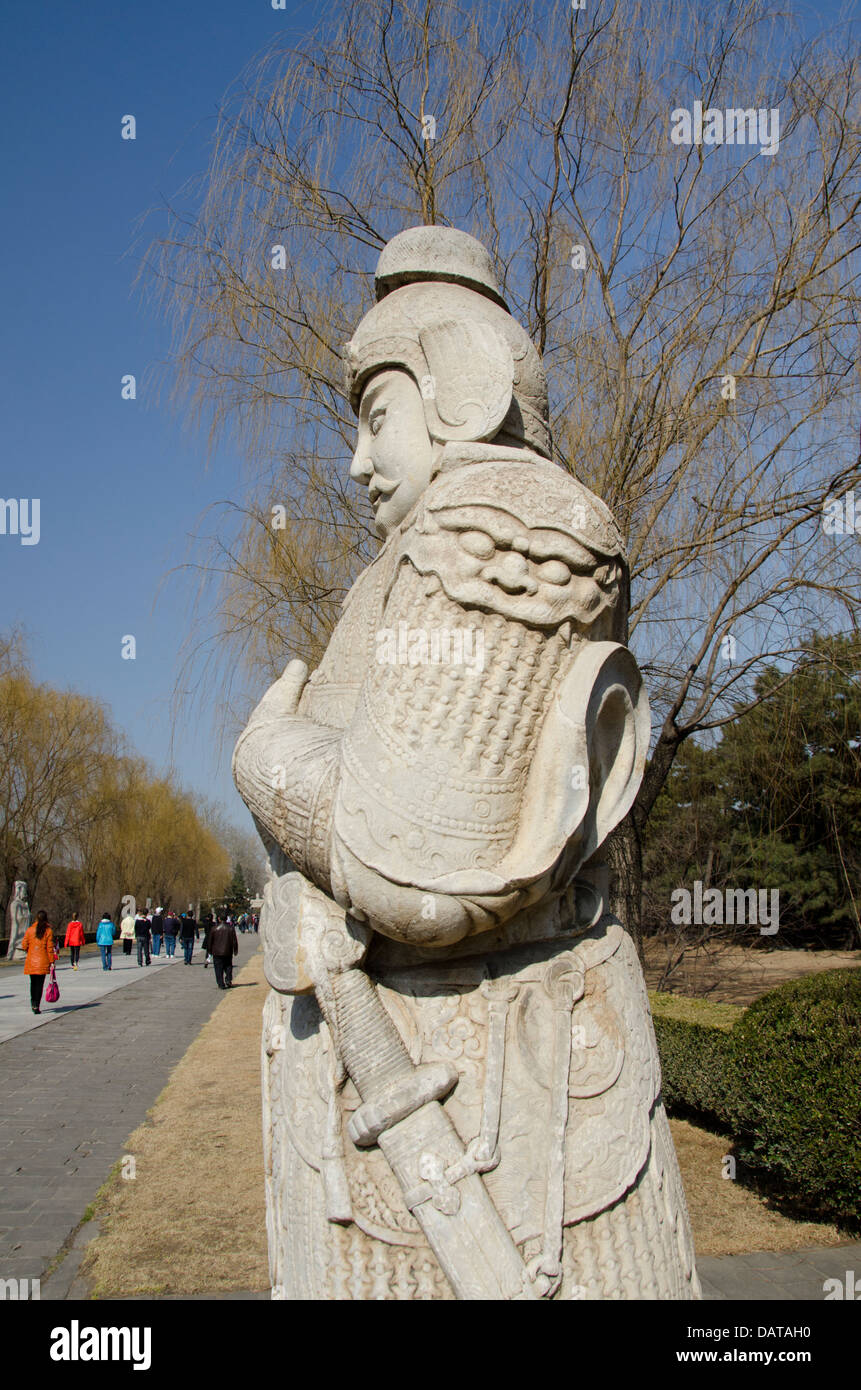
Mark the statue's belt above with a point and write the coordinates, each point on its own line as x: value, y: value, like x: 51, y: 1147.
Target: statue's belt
x: 400, y: 1108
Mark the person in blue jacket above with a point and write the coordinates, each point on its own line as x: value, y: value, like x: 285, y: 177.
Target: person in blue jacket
x: 105, y: 933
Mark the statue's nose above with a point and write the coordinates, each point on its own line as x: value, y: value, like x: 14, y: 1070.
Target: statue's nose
x: 360, y: 468
x: 511, y: 573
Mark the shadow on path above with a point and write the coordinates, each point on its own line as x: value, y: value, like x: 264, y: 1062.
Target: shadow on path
x: 74, y: 1008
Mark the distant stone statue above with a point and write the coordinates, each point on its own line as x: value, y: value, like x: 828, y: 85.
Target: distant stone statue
x: 462, y: 1089
x: 18, y: 914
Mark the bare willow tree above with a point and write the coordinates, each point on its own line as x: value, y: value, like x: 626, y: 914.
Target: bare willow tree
x: 72, y: 799
x: 53, y: 745
x: 696, y: 304
x: 93, y: 838
x: 242, y: 846
x: 156, y: 843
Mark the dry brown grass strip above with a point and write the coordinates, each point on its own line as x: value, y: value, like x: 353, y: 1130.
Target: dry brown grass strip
x: 193, y: 1220
x: 727, y: 1217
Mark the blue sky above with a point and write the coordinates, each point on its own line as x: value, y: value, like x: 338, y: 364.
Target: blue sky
x: 121, y: 484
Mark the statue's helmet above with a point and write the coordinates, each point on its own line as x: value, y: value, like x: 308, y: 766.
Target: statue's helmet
x: 440, y: 316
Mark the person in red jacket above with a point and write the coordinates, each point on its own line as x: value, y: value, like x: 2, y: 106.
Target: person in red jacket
x: 74, y: 940
x: 38, y: 942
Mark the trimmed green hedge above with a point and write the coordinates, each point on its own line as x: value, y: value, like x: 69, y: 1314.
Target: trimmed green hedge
x: 784, y: 1079
x: 693, y: 1042
x: 796, y: 1090
x: 695, y: 1069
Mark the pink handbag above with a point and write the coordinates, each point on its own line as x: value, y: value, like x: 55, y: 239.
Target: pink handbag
x: 52, y: 993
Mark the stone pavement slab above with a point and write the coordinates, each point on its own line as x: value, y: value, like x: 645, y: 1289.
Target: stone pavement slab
x: 78, y: 988
x: 70, y: 1095
x: 781, y: 1275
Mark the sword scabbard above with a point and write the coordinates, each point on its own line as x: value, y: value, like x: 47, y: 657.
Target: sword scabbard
x: 400, y: 1111
x: 320, y: 946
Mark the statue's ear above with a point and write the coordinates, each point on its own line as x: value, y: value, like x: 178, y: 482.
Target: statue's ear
x: 467, y: 391
x: 588, y: 763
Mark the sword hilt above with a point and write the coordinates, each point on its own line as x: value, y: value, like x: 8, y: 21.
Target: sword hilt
x: 390, y: 1085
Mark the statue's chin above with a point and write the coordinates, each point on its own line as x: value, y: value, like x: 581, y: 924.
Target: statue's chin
x: 389, y: 514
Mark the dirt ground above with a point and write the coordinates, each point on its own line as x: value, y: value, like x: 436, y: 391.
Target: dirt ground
x: 205, y: 1231
x: 193, y: 1219
x: 728, y: 1217
x: 732, y: 974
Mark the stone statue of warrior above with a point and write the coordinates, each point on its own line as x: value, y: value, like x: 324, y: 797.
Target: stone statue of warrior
x: 19, y: 920
x: 462, y: 1089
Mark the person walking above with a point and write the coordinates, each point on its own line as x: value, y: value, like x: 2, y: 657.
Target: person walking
x: 105, y: 933
x: 74, y: 940
x: 142, y: 937
x: 208, y: 924
x: 171, y: 930
x: 223, y: 945
x: 157, y: 930
x: 41, y: 953
x: 187, y: 932
x: 127, y: 933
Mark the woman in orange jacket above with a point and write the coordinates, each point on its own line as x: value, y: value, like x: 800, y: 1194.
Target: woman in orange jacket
x: 38, y: 942
x: 74, y: 940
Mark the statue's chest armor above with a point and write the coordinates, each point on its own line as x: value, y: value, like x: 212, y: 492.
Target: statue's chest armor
x: 331, y: 692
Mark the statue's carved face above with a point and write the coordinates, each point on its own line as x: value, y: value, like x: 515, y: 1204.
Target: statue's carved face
x: 394, y: 455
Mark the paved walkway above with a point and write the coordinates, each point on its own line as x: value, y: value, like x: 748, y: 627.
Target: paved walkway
x: 783, y: 1275
x: 71, y: 1093
x: 78, y: 988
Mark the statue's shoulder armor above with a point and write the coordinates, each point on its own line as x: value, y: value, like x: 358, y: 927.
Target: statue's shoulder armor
x: 520, y: 538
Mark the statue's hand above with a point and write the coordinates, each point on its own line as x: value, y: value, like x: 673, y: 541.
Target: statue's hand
x: 282, y: 697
